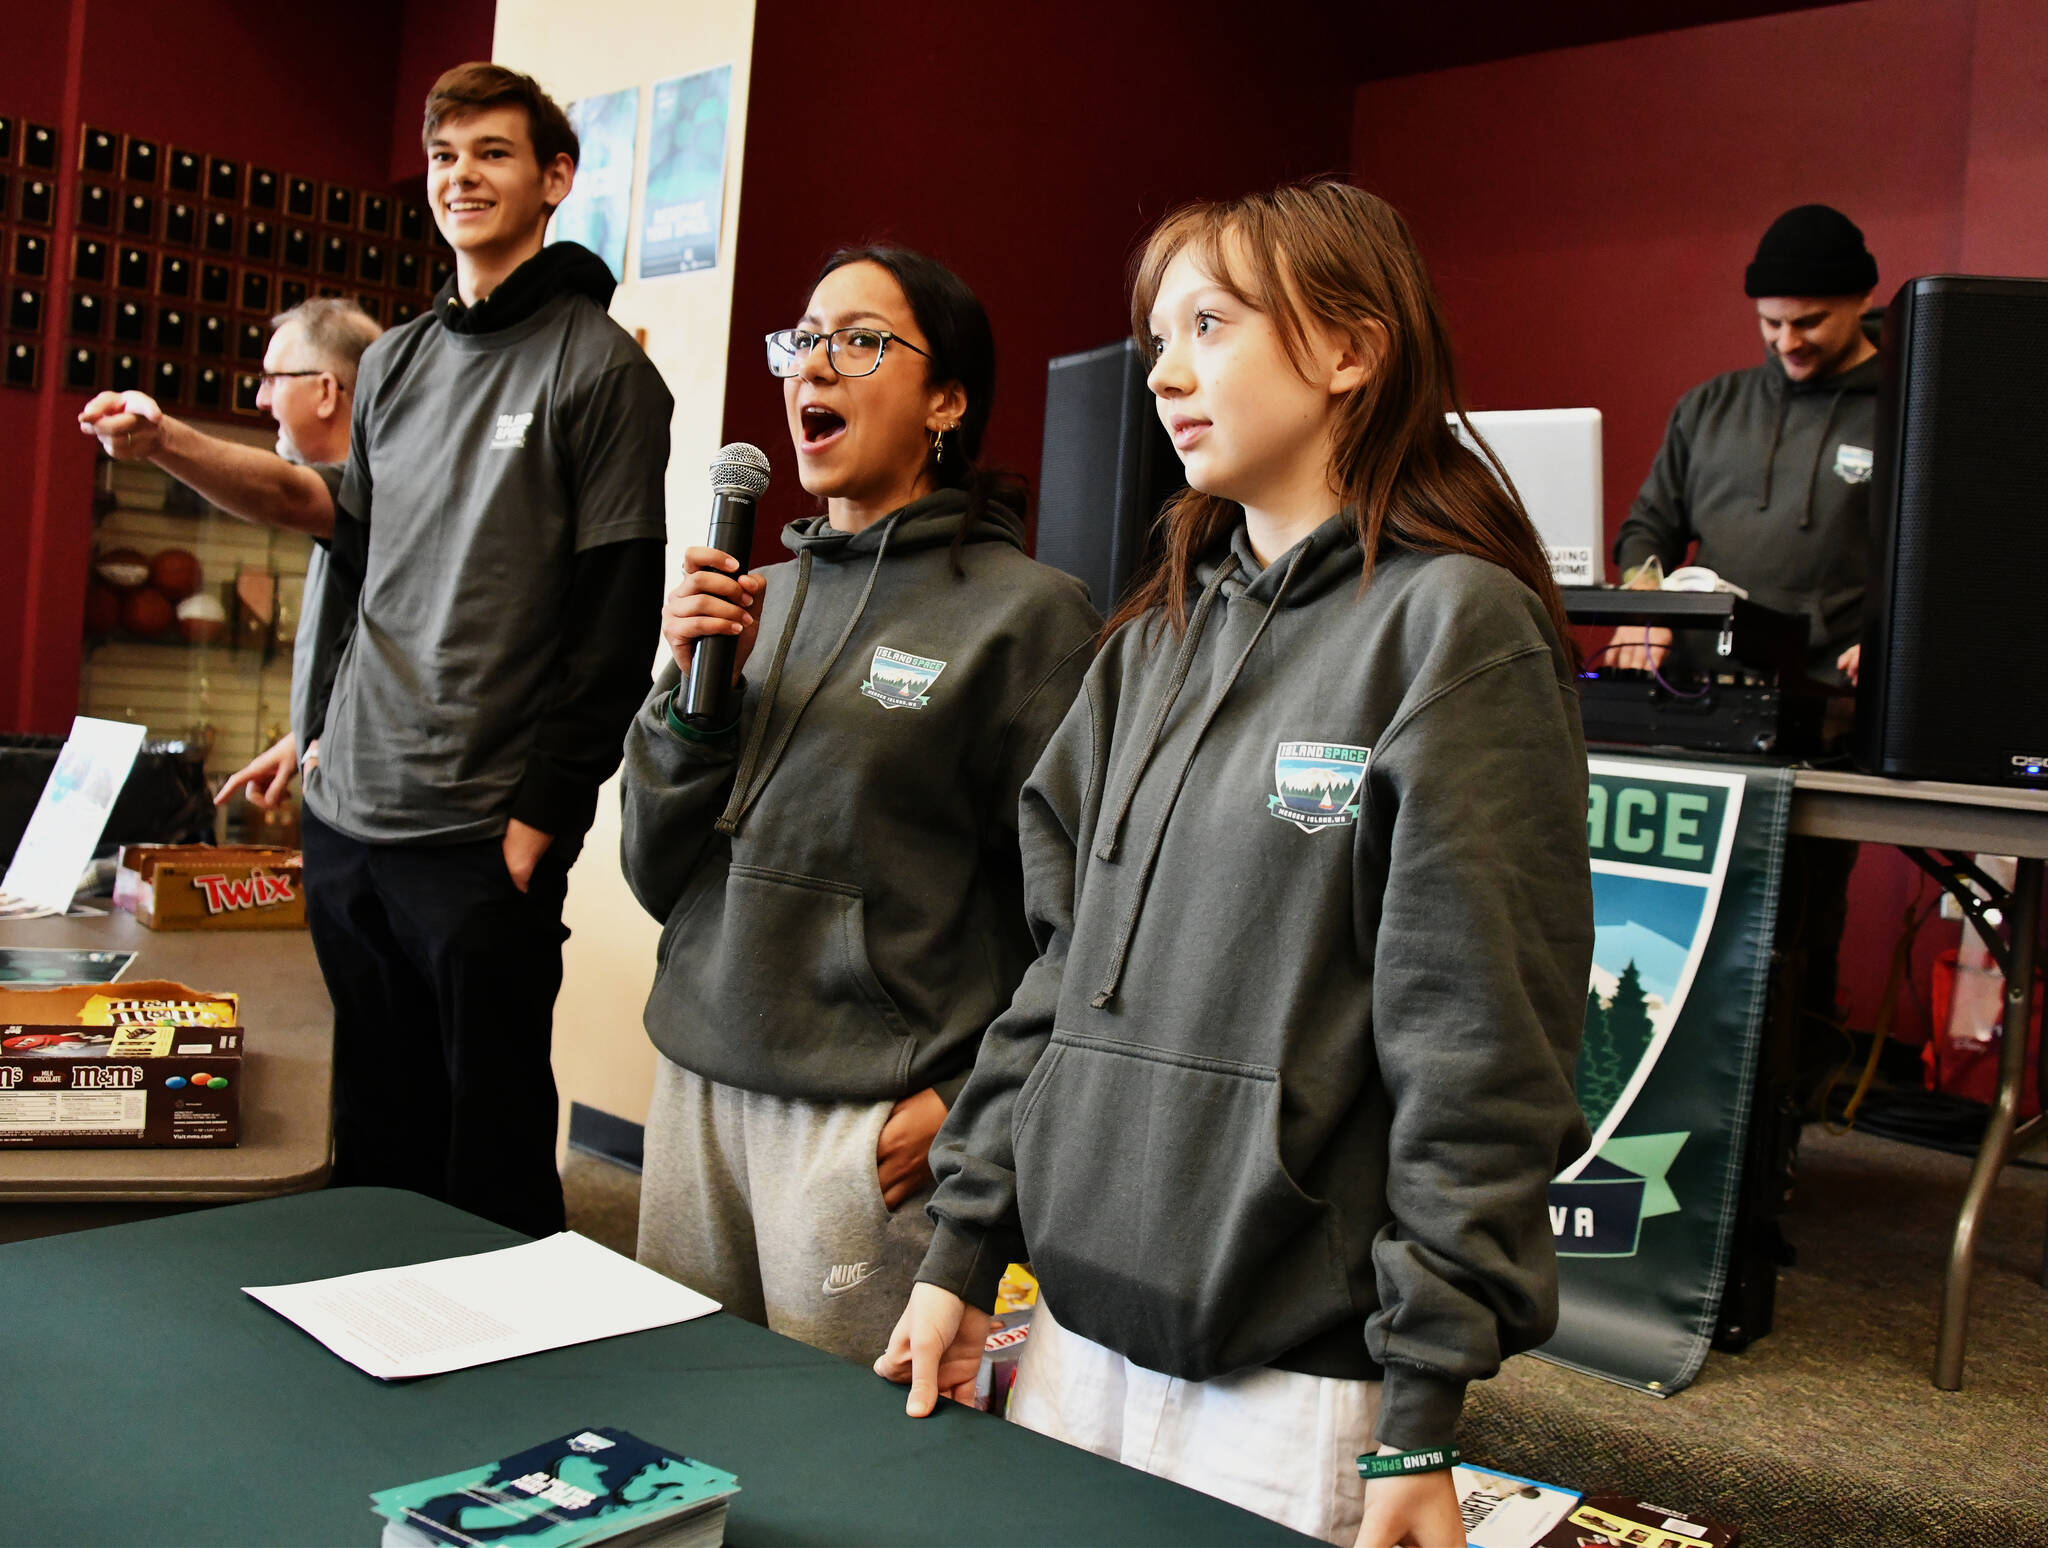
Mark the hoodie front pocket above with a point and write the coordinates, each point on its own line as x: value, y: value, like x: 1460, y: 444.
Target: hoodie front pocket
x: 782, y: 993
x: 1158, y: 1212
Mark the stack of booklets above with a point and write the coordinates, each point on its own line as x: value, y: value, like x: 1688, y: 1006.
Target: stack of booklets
x: 1616, y: 1521
x: 595, y: 1486
x: 1504, y: 1511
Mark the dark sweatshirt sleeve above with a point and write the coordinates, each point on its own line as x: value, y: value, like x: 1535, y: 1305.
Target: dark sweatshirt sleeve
x: 348, y: 550
x: 974, y: 1208
x: 1484, y: 944
x: 676, y: 783
x: 1659, y: 523
x: 348, y: 558
x: 609, y: 626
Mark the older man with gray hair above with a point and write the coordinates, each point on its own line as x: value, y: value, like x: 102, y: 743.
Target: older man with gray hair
x: 309, y: 378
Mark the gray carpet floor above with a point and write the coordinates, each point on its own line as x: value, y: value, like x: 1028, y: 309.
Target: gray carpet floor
x: 1828, y: 1431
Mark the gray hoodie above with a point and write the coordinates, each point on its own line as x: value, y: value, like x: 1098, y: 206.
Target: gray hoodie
x: 1772, y: 478
x: 1293, y: 1070
x: 837, y: 874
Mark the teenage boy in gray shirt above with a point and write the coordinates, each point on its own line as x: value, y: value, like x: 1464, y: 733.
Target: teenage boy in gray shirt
x: 498, y: 546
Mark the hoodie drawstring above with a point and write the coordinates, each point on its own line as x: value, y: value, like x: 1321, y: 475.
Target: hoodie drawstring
x: 1820, y: 450
x: 1107, y: 992
x: 1763, y: 499
x: 745, y: 788
x: 1105, y: 849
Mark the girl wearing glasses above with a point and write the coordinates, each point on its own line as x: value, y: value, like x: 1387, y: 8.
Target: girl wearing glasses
x: 1277, y: 1108
x: 836, y: 865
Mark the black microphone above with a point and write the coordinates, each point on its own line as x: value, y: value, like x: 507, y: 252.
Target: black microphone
x: 739, y: 473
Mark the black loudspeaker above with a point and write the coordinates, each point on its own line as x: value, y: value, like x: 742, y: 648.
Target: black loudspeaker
x: 1109, y: 466
x: 1954, y: 682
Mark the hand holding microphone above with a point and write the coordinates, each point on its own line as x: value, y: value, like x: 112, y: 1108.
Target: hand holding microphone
x: 710, y: 619
x: 713, y: 599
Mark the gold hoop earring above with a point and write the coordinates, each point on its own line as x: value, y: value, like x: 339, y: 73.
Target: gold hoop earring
x: 939, y: 444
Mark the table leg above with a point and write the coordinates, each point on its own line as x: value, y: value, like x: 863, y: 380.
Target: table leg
x: 1998, y: 1142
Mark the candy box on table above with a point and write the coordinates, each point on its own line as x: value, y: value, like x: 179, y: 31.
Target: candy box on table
x: 212, y: 887
x: 104, y: 1066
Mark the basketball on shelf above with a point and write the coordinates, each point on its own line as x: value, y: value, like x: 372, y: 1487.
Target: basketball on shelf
x: 102, y: 608
x: 122, y: 568
x: 175, y: 572
x: 202, y: 620
x: 147, y: 613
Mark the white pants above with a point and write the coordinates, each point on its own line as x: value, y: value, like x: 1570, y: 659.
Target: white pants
x: 1279, y: 1443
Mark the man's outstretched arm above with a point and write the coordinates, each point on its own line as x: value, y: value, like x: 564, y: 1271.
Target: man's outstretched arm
x: 244, y: 481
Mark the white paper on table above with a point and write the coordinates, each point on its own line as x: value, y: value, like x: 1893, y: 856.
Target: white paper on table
x: 447, y: 1315
x: 65, y: 828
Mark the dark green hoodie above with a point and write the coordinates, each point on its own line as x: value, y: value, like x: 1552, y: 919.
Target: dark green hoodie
x: 1772, y: 478
x: 1290, y: 1077
x: 838, y: 874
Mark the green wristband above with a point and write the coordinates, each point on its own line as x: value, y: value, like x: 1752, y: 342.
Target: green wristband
x: 688, y: 732
x: 1399, y: 1464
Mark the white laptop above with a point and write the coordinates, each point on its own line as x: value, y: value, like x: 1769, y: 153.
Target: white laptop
x: 1553, y: 456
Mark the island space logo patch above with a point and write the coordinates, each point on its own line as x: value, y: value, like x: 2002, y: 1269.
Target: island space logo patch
x: 1316, y: 784
x: 899, y: 681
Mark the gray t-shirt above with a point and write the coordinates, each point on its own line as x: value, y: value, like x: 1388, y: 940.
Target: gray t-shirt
x: 481, y: 464
x: 318, y: 626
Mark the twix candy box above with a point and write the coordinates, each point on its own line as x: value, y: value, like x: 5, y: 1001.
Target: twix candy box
x: 212, y: 886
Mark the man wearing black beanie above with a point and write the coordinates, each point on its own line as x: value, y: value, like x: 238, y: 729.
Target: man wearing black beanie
x: 1768, y: 471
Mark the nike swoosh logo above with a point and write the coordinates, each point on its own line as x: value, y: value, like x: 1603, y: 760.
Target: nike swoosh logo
x: 842, y: 1277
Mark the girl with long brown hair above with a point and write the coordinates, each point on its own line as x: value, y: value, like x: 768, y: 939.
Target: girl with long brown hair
x: 1275, y: 1112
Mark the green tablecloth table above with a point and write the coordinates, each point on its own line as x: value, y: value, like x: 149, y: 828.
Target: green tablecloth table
x: 145, y: 1399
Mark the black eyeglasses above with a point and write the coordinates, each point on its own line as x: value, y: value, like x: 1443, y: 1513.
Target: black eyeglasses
x: 272, y: 378
x: 852, y: 351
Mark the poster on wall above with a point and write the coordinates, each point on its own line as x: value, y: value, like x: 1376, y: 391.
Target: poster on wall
x: 599, y: 210
x: 685, y: 201
x: 1687, y: 860
x: 49, y: 863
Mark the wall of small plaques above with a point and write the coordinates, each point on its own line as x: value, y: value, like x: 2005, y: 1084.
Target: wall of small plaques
x: 28, y: 200
x: 177, y: 259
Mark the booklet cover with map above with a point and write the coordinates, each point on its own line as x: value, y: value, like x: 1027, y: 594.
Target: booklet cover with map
x: 592, y: 1486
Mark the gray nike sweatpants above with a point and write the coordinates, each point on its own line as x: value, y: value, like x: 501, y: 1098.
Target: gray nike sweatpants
x: 772, y: 1206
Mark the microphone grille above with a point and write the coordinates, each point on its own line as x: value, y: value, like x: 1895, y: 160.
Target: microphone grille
x: 739, y: 469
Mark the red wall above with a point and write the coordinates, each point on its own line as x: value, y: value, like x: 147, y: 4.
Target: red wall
x: 434, y: 37
x: 306, y: 92
x: 33, y: 78
x: 1588, y: 213
x: 1028, y: 147
x: 2005, y: 204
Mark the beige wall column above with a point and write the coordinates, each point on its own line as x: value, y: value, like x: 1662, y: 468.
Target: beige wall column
x: 602, y: 1056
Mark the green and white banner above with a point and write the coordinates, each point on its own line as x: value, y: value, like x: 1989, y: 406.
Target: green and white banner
x: 1686, y: 865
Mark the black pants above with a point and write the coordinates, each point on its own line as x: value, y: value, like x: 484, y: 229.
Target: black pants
x: 443, y: 976
x: 1814, y: 901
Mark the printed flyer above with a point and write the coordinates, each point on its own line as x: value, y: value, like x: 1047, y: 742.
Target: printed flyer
x: 685, y: 203
x: 599, y: 210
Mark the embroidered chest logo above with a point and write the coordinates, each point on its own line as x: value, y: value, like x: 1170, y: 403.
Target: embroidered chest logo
x: 1853, y: 463
x: 898, y: 681
x: 510, y: 432
x: 1317, y: 784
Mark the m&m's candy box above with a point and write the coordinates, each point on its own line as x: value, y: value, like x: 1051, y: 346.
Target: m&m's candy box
x: 92, y: 1066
